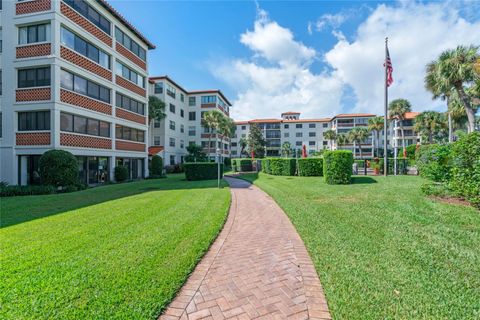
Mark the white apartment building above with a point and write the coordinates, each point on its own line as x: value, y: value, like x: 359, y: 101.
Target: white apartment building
x: 77, y: 81
x: 182, y: 125
x: 343, y: 123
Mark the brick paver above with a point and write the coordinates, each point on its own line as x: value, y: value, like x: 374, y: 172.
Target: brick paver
x: 257, y: 268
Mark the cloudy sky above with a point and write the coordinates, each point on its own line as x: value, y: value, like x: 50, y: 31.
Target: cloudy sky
x: 318, y: 58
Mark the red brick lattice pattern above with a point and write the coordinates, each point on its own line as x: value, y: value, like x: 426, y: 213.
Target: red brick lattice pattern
x: 84, y: 102
x: 130, y: 56
x: 257, y: 268
x: 74, y: 140
x: 130, y: 86
x: 85, y: 24
x: 35, y: 50
x: 83, y: 62
x: 129, y: 146
x: 33, y: 139
x: 127, y: 115
x: 40, y: 94
x: 32, y: 6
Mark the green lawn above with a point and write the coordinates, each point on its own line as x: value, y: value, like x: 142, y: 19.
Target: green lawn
x: 382, y: 250
x: 113, y: 252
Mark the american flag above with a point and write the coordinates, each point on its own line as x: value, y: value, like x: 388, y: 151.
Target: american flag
x: 388, y: 62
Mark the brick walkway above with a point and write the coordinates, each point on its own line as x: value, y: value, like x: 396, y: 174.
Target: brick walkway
x: 257, y: 268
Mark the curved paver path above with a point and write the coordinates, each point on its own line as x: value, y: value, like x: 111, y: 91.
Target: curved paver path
x: 258, y: 267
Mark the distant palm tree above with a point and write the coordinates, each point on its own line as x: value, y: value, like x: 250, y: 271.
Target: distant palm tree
x: 330, y: 135
x: 342, y: 139
x: 455, y: 69
x: 243, y: 144
x: 156, y: 109
x: 211, y: 120
x: 226, y: 128
x: 397, y: 109
x: 357, y: 135
x: 376, y: 125
x: 430, y: 124
x: 286, y: 149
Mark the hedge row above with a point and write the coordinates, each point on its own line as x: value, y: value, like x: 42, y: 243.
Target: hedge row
x: 202, y: 170
x: 337, y: 166
x: 279, y: 166
x: 310, y: 167
x: 242, y: 165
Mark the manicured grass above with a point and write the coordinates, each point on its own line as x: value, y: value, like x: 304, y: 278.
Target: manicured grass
x: 112, y: 252
x: 382, y: 250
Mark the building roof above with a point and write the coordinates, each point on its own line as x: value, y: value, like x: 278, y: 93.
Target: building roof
x: 117, y: 15
x: 166, y: 77
x: 264, y: 120
x: 281, y: 121
x: 155, y: 150
x: 290, y: 112
x: 307, y: 120
x: 211, y: 91
x: 354, y: 115
x: 411, y: 115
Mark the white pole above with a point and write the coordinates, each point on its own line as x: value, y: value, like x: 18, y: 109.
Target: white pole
x: 218, y: 168
x: 395, y: 146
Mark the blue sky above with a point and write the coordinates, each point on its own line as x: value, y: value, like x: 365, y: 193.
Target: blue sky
x: 318, y: 58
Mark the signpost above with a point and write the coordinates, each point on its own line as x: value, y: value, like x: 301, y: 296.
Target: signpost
x: 219, y: 154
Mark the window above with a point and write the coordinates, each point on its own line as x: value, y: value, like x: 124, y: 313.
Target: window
x: 158, y: 87
x: 172, y: 108
x: 172, y: 142
x: 82, y: 7
x: 182, y: 144
x: 311, y: 143
x: 298, y: 126
x: 325, y: 143
x: 1, y: 125
x: 34, y: 120
x: 131, y: 75
x: 192, y: 101
x: 182, y: 113
x: 130, y: 104
x: 191, y: 131
x: 312, y: 134
x: 1, y: 82
x: 33, y: 34
x: 285, y: 126
x: 83, y: 86
x: 299, y: 134
x: 127, y: 133
x: 182, y: 128
x: 172, y: 159
x: 298, y: 143
x: 156, y: 140
x: 172, y: 125
x: 156, y: 124
x: 192, y: 116
x: 130, y: 44
x: 325, y: 125
x: 311, y: 125
x: 86, y: 49
x: 233, y: 144
x: 182, y: 97
x: 34, y: 77
x: 244, y: 127
x: 79, y: 124
x: 286, y: 135
x: 1, y: 38
x: 209, y: 99
x: 171, y: 91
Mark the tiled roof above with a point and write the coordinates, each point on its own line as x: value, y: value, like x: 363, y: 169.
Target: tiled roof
x: 290, y: 112
x: 264, y: 121
x: 281, y: 121
x: 411, y: 115
x: 307, y: 120
x: 353, y: 115
x: 155, y: 150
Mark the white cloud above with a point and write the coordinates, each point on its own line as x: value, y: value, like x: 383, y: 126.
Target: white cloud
x: 328, y: 20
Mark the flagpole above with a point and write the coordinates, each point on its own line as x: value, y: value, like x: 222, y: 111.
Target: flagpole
x: 385, y: 136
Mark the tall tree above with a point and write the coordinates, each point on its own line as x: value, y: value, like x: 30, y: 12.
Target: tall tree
x: 397, y: 110
x: 286, y: 149
x: 342, y: 139
x: 243, y: 144
x: 431, y: 125
x: 330, y: 135
x: 375, y: 125
x: 256, y: 142
x: 455, y: 69
x: 226, y: 128
x: 357, y: 135
x: 156, y: 109
x: 211, y: 120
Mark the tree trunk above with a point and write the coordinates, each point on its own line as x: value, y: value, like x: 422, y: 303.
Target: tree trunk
x: 360, y: 148
x: 403, y: 137
x: 468, y: 108
x: 378, y: 143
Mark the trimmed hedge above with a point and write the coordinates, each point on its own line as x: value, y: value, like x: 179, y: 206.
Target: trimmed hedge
x: 11, y: 191
x: 202, y: 170
x: 242, y: 165
x: 279, y: 166
x: 310, y: 167
x: 434, y: 162
x: 58, y: 168
x: 337, y: 166
x: 156, y: 166
x: 121, y: 173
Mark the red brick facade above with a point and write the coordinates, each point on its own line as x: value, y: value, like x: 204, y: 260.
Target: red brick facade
x: 84, y: 102
x: 130, y: 86
x: 35, y: 50
x: 40, y: 94
x: 85, y: 63
x: 75, y: 140
x: 33, y: 139
x: 127, y: 115
x: 130, y: 56
x: 85, y: 24
x: 129, y: 146
x: 208, y: 105
x: 32, y: 6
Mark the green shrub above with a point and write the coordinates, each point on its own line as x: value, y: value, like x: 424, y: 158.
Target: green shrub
x: 337, y: 166
x: 227, y: 162
x: 202, y: 170
x: 465, y: 172
x: 266, y: 165
x: 280, y: 166
x: 433, y: 162
x: 11, y: 191
x: 176, y: 168
x: 437, y: 189
x: 121, y: 173
x: 156, y: 166
x: 310, y: 167
x: 58, y: 168
x: 411, y: 152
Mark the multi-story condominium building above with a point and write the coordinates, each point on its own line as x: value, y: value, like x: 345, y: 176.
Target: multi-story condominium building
x: 77, y: 75
x: 411, y: 137
x: 182, y: 125
x: 290, y: 128
x: 343, y: 123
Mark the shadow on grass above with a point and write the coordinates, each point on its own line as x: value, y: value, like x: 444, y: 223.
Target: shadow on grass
x: 363, y: 180
x: 15, y: 210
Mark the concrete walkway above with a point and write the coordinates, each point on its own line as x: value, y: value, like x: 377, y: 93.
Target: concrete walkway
x: 257, y: 268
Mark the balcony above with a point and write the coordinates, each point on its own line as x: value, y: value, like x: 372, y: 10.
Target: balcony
x: 34, y: 6
x: 33, y: 94
x: 33, y: 50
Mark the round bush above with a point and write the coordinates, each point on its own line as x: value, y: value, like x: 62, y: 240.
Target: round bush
x: 58, y: 168
x: 433, y: 162
x: 337, y: 166
x: 156, y: 166
x: 121, y: 173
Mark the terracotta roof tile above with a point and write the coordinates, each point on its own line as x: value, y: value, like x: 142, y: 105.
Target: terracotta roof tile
x: 154, y: 150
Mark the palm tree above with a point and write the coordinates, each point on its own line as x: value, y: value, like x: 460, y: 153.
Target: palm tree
x: 211, y: 120
x: 243, y: 144
x: 342, y: 139
x: 286, y: 149
x: 357, y: 135
x: 397, y: 109
x: 455, y: 70
x: 156, y: 109
x: 226, y: 127
x: 330, y: 135
x: 376, y: 125
x: 430, y: 124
